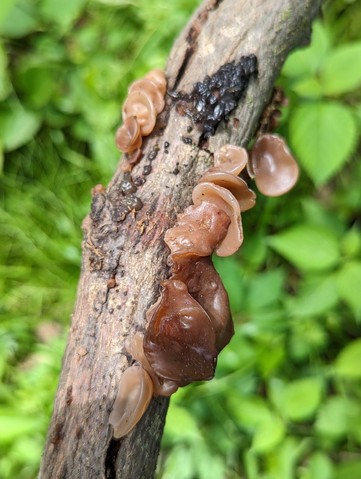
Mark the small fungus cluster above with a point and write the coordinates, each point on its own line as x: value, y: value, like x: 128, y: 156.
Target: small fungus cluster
x: 144, y: 102
x: 190, y: 323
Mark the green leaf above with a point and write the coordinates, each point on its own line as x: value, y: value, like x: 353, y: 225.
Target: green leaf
x: 14, y: 426
x: 306, y: 61
x: 5, y: 7
x: 308, y: 247
x: 333, y: 417
x: 308, y: 87
x: 348, y: 362
x: 19, y: 20
x: 17, y: 125
x: 323, y: 136
x: 348, y: 470
x: 320, y: 466
x: 179, y: 464
x: 269, y: 434
x: 341, y: 70
x: 4, y: 80
x: 181, y: 425
x: 63, y: 13
x: 264, y: 289
x: 36, y: 85
x: 302, y: 398
x: 316, y: 297
x: 349, y: 283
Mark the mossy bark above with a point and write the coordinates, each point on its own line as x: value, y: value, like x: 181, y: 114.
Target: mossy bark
x: 124, y: 261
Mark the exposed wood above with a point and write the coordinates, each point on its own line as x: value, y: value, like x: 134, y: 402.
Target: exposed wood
x: 123, y: 262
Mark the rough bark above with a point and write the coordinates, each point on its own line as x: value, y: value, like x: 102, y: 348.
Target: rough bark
x: 123, y: 262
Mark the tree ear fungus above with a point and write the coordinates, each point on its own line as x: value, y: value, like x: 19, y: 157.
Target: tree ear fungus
x: 205, y: 286
x: 225, y: 201
x: 134, y: 346
x: 144, y: 102
x: 134, y: 395
x: 180, y: 342
x: 198, y: 232
x: 230, y: 159
x: 128, y: 137
x: 272, y: 165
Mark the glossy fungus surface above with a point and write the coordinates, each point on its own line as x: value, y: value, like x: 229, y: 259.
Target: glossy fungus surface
x: 225, y: 201
x: 273, y: 166
x: 144, y: 102
x: 230, y: 159
x: 198, y: 231
x: 180, y: 342
x: 134, y: 395
x: 128, y: 137
x: 205, y: 286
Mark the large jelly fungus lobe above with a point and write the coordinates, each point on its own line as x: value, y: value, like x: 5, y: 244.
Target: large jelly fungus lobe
x: 134, y: 395
x: 273, y: 166
x: 180, y: 342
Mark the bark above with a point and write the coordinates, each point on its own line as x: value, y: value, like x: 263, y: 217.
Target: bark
x: 123, y: 261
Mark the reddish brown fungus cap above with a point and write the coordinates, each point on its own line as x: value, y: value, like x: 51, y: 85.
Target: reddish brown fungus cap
x: 221, y: 197
x: 128, y: 137
x: 198, y: 231
x: 151, y: 89
x: 134, y: 346
x: 139, y: 105
x: 157, y: 76
x: 231, y: 159
x: 274, y: 168
x: 205, y: 286
x: 180, y: 342
x: 246, y: 198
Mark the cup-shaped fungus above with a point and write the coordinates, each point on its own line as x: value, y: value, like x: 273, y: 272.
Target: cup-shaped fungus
x: 205, y: 286
x: 231, y: 159
x: 274, y: 169
x: 180, y: 342
x: 139, y: 105
x: 157, y: 76
x: 150, y: 88
x: 198, y: 231
x: 134, y: 346
x: 221, y: 197
x: 128, y: 137
x: 246, y: 198
x: 134, y: 395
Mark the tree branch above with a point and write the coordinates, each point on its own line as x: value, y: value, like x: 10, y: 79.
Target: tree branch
x: 123, y: 261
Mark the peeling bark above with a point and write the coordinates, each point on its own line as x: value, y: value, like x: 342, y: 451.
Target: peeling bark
x: 123, y: 261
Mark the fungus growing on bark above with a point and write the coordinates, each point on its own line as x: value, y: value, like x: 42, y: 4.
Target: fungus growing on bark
x: 134, y: 395
x: 144, y: 102
x: 225, y: 201
x: 198, y: 231
x: 180, y: 342
x: 205, y: 286
x: 231, y: 159
x: 128, y: 137
x: 272, y: 165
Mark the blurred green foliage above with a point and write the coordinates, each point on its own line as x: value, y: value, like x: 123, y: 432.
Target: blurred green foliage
x: 286, y: 401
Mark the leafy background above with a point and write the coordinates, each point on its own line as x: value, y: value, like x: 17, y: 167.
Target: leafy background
x: 286, y: 401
